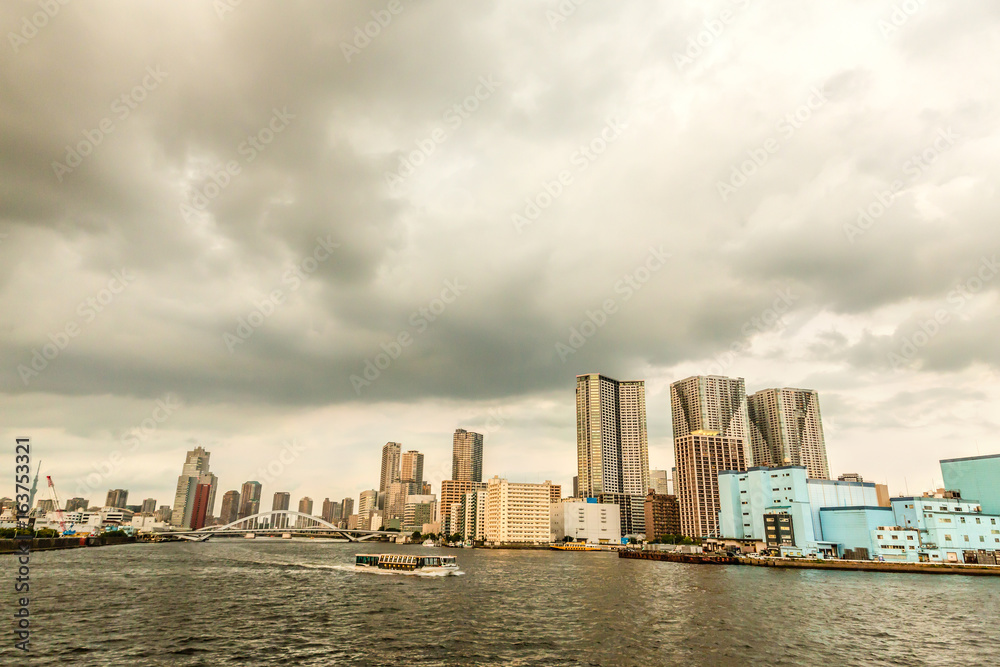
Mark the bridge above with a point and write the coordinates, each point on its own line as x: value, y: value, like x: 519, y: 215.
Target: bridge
x: 279, y: 521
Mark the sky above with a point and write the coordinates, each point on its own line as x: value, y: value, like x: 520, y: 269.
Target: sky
x: 291, y: 232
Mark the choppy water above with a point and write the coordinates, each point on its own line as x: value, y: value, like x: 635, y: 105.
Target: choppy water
x: 242, y: 602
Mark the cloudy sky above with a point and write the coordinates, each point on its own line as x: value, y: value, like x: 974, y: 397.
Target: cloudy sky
x: 293, y: 231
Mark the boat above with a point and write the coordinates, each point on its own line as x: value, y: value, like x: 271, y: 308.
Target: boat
x: 406, y: 562
x: 428, y: 543
x: 575, y: 547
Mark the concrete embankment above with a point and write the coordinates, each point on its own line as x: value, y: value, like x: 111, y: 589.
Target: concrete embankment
x: 9, y: 546
x: 874, y: 566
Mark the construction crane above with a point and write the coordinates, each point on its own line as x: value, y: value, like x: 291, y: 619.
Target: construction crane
x: 57, y: 507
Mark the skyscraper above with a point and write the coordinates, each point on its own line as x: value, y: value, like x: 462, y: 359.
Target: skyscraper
x: 148, y: 506
x: 305, y: 507
x: 367, y: 505
x: 280, y: 501
x: 412, y: 471
x: 395, y: 500
x: 329, y: 510
x: 116, y: 498
x: 230, y: 507
x: 786, y: 428
x: 611, y: 448
x: 390, y: 469
x: 710, y: 435
x: 346, y: 509
x: 194, y: 472
x: 249, y: 499
x: 467, y: 456
x: 199, y: 509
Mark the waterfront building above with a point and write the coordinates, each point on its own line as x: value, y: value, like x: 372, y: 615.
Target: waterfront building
x: 117, y: 498
x: 230, y: 507
x: 586, y: 521
x: 353, y: 521
x: 452, y: 491
x: 663, y: 515
x: 467, y: 456
x: 163, y: 514
x: 375, y: 521
x: 659, y: 482
x: 710, y: 435
x: 949, y: 529
x: 611, y: 447
x: 390, y: 469
x: 518, y: 513
x: 786, y: 428
x: 45, y: 505
x: 367, y: 505
x: 417, y: 511
x: 194, y: 472
x: 471, y: 517
x: 975, y: 477
x: 148, y: 506
x: 850, y: 477
x: 395, y: 499
x: 280, y: 501
x: 199, y: 509
x: 748, y: 498
x: 412, y: 470
x: 249, y: 499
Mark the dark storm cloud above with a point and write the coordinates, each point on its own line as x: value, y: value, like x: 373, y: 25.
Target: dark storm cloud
x: 294, y: 195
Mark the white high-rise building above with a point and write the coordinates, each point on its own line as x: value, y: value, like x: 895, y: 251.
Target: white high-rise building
x: 786, y: 429
x: 611, y: 447
x: 194, y: 472
x: 367, y: 505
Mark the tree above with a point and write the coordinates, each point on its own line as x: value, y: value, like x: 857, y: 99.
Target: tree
x: 416, y: 536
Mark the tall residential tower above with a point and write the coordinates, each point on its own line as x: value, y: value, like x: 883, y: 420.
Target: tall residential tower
x: 467, y: 456
x: 611, y: 450
x: 710, y: 435
x: 786, y: 429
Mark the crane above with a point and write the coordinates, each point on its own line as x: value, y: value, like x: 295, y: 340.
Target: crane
x: 56, y: 506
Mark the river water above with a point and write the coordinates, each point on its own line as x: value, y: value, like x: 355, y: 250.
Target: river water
x: 275, y: 602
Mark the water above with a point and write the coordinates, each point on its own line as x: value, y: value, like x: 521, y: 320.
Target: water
x: 264, y: 602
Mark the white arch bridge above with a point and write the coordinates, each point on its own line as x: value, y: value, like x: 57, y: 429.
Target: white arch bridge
x: 285, y: 521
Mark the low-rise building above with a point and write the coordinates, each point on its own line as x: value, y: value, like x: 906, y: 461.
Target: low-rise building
x: 663, y: 515
x: 586, y: 521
